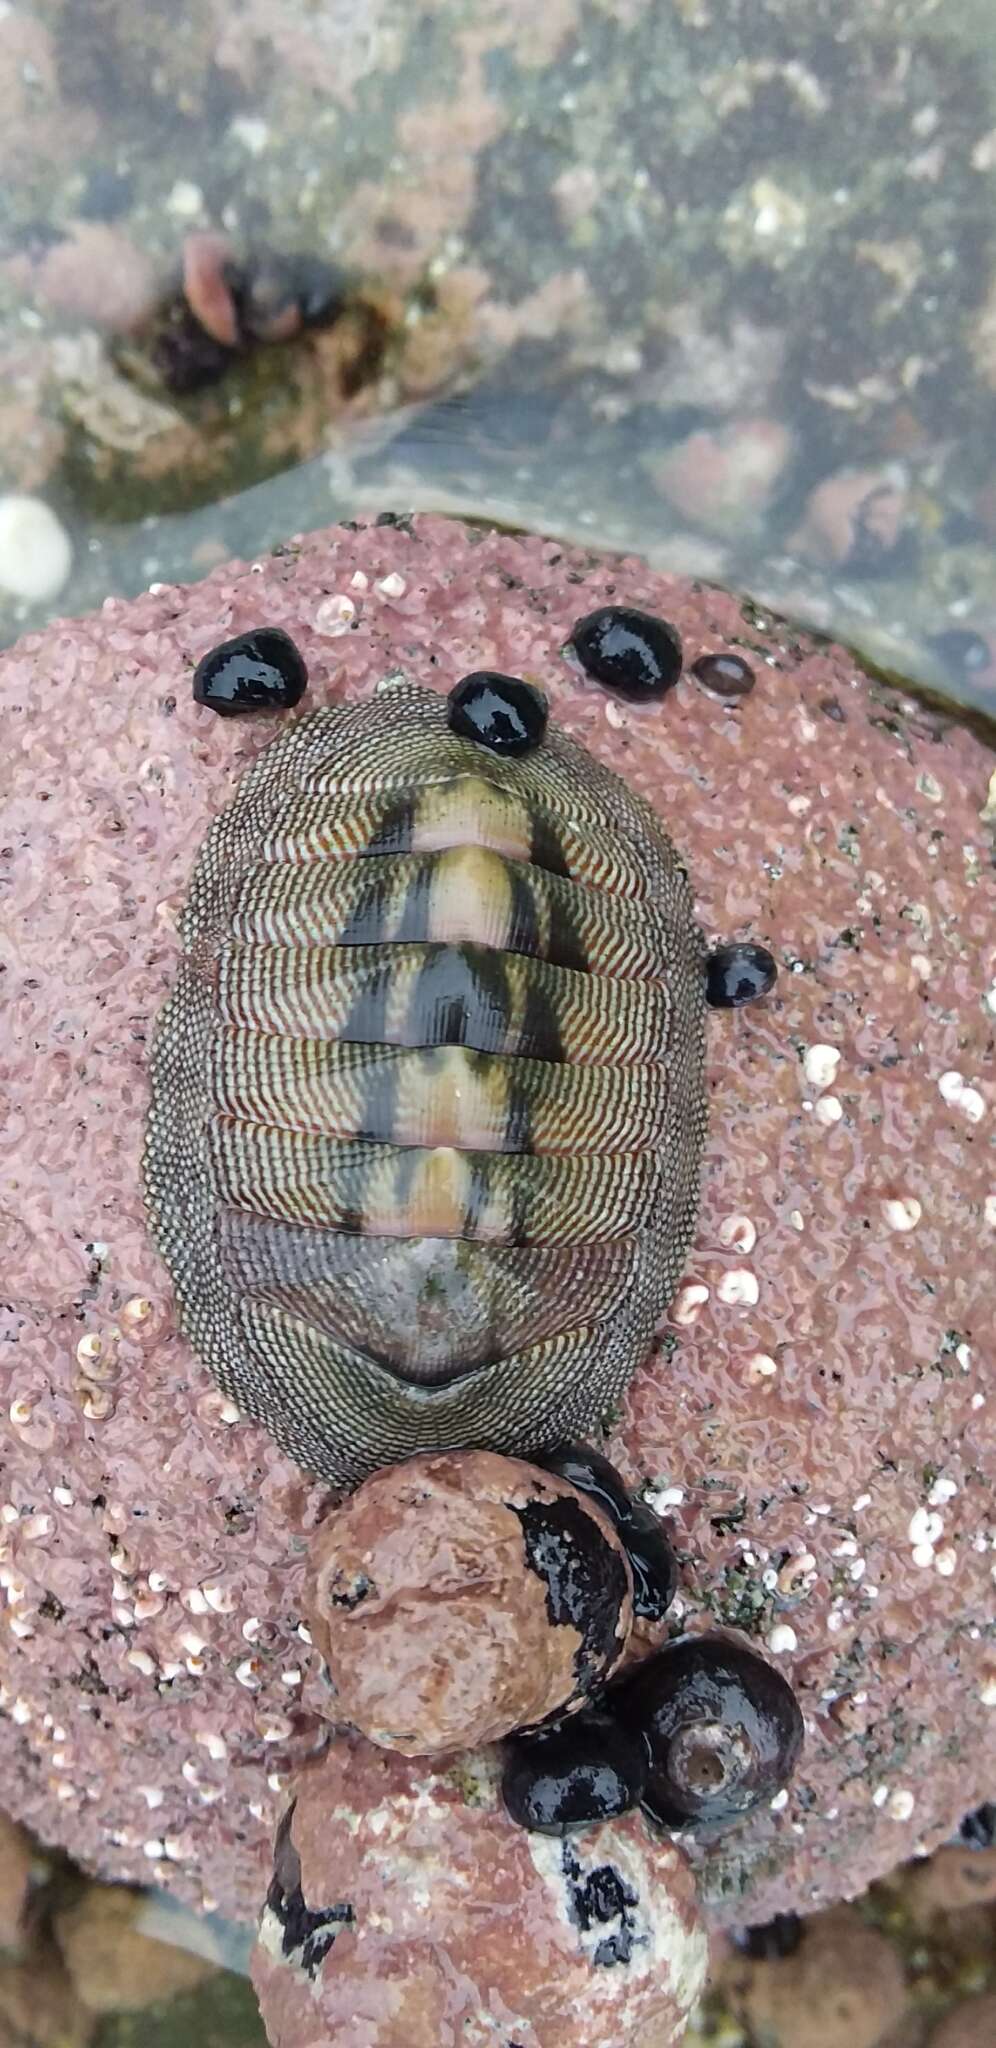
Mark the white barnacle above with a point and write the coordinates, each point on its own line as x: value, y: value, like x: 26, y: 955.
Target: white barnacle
x: 820, y: 1063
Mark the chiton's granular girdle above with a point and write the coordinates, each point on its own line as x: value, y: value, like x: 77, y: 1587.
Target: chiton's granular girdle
x: 427, y: 1098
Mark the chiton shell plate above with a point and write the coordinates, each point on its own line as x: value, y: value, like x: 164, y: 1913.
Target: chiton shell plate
x: 427, y: 1097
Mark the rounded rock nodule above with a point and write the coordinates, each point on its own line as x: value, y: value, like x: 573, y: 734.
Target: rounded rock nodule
x: 257, y: 671
x: 725, y: 1730
x: 630, y: 651
x: 460, y: 1596
x: 502, y: 713
x: 739, y: 974
x: 587, y: 1769
x: 405, y: 1910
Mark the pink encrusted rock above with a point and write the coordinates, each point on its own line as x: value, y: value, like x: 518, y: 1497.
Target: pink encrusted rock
x: 457, y: 1597
x: 814, y: 1422
x: 855, y: 518
x: 406, y: 1911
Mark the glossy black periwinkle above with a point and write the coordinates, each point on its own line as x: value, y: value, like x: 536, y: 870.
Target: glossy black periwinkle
x: 651, y: 1559
x: 629, y: 651
x: 274, y: 294
x: 724, y: 1727
x: 652, y: 1563
x: 499, y: 712
x: 260, y: 671
x: 586, y: 1769
x: 739, y: 974
x: 584, y: 1467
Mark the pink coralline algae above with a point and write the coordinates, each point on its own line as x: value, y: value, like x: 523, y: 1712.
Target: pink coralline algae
x: 433, y: 1921
x: 813, y: 1424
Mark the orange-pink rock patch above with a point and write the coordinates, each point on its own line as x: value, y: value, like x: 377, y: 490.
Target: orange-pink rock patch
x: 404, y: 1912
x: 443, y: 1621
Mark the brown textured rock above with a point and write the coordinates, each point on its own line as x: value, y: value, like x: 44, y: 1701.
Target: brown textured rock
x: 16, y: 1857
x: 843, y: 1988
x: 458, y: 1597
x: 971, y: 2025
x: 94, y: 274
x: 820, y: 1390
x: 433, y: 1920
x: 39, y: 2005
x: 113, y: 1965
x: 953, y: 1879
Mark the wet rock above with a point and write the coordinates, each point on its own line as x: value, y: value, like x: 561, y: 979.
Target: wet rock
x: 404, y: 1901
x: 842, y: 1987
x: 113, y: 1965
x: 724, y: 478
x: 856, y: 520
x: 819, y: 1389
x: 455, y: 1598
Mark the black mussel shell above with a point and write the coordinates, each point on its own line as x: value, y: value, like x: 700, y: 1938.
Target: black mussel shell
x: 584, y: 1467
x: 651, y: 1561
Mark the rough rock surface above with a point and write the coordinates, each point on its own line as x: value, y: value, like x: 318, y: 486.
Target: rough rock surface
x: 433, y: 1922
x: 458, y: 1597
x: 814, y: 1418
x: 843, y: 1988
x: 114, y: 1965
x: 16, y: 1858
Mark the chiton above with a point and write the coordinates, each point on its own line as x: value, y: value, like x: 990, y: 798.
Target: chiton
x: 427, y: 1097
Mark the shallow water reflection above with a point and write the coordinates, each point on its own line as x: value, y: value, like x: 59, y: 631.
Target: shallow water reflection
x: 717, y: 285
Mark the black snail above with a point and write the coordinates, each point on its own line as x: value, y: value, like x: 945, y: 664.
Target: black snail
x: 427, y: 1098
x: 652, y: 1562
x: 698, y: 1734
x: 585, y: 1769
x: 724, y: 1728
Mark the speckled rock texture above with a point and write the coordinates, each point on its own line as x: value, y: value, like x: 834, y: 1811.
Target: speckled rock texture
x: 814, y: 1418
x: 433, y: 1922
x: 458, y: 1597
